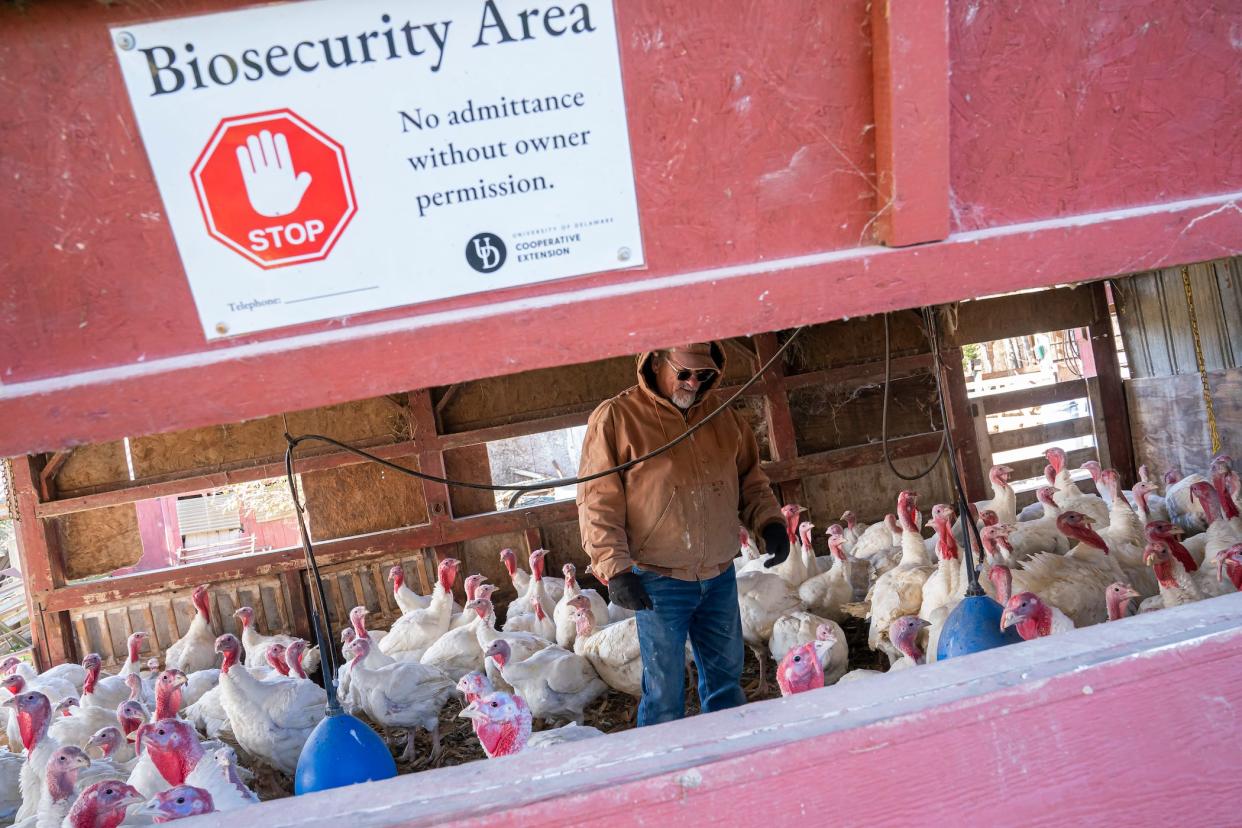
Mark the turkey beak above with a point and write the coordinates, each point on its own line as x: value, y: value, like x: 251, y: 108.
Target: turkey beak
x: 1007, y: 620
x: 470, y: 711
x: 149, y: 808
x: 132, y: 798
x: 1131, y: 592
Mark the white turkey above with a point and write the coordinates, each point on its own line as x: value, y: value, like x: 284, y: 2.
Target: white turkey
x: 1033, y: 618
x: 554, y: 587
x: 405, y: 694
x: 558, y: 684
x: 1073, y: 582
x: 271, y: 719
x: 797, y: 628
x: 415, y: 631
x: 828, y: 593
x: 407, y: 599
x: 562, y: 613
x: 899, y: 592
x: 1069, y: 497
x: 196, y: 649
x: 762, y: 598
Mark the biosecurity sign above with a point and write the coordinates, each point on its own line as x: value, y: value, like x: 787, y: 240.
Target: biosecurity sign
x: 327, y: 158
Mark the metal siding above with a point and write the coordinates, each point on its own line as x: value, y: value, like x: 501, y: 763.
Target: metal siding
x: 1155, y: 320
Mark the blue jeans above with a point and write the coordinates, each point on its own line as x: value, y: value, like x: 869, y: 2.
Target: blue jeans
x: 707, y: 612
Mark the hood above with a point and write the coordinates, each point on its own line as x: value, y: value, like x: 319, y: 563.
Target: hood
x: 646, y: 377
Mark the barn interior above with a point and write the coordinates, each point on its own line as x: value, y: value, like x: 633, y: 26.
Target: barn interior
x: 115, y: 535
x: 1059, y: 184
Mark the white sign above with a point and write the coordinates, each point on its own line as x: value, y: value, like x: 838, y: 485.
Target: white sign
x: 327, y: 158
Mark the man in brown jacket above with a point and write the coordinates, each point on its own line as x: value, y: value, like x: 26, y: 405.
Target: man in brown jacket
x: 663, y: 534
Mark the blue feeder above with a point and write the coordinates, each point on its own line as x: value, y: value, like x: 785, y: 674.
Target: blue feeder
x: 342, y: 751
x: 973, y: 626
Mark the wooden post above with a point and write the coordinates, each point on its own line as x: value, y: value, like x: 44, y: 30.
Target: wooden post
x: 961, y: 424
x: 910, y: 59
x: 42, y: 566
x: 782, y: 438
x: 1112, y: 395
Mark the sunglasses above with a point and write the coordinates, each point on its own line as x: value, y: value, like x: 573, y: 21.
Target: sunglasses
x: 703, y: 375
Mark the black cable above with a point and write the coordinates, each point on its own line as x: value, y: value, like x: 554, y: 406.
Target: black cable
x: 319, y: 608
x: 888, y: 369
x: 564, y: 481
x: 963, y: 503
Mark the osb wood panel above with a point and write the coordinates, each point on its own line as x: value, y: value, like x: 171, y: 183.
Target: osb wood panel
x: 207, y: 448
x: 469, y: 463
x: 831, y: 417
x: 1155, y: 318
x: 99, y: 541
x: 531, y: 394
x: 1169, y: 419
x: 92, y: 465
x: 379, y: 418
x: 362, y: 498
x: 871, y: 491
x: 105, y: 628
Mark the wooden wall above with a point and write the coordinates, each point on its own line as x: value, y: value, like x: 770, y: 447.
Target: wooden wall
x: 1165, y: 394
x: 1155, y: 319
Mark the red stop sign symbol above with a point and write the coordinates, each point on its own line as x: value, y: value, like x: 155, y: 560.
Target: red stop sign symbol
x: 274, y: 188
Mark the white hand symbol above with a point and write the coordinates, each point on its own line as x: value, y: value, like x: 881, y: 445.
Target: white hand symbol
x: 271, y: 184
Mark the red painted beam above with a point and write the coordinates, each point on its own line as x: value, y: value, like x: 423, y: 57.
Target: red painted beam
x: 1137, y: 715
x: 910, y: 56
x: 263, y: 378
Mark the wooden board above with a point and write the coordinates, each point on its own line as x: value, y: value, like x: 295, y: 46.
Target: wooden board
x: 206, y: 448
x: 1169, y: 419
x: 854, y: 341
x: 355, y: 500
x: 104, y: 628
x: 378, y: 418
x: 99, y: 541
x: 871, y: 491
x: 1155, y: 320
x: 497, y: 401
x: 93, y: 465
x: 1021, y: 314
x: 1040, y: 434
x: 827, y: 418
x: 1031, y: 397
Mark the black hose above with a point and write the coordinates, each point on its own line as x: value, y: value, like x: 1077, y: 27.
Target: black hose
x: 888, y: 369
x: 963, y: 503
x: 319, y: 607
x: 564, y: 481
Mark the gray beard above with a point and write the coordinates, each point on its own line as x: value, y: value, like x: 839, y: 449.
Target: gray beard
x: 683, y: 399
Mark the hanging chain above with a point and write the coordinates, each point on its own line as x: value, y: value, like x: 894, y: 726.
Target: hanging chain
x: 1200, y: 363
x: 10, y: 497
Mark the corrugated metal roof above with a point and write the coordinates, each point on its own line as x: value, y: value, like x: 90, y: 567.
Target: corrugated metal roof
x: 207, y: 513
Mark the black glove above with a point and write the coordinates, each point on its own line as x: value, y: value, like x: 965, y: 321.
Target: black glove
x: 625, y: 589
x: 776, y: 544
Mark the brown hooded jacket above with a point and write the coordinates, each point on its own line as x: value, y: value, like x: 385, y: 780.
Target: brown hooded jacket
x: 676, y: 514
